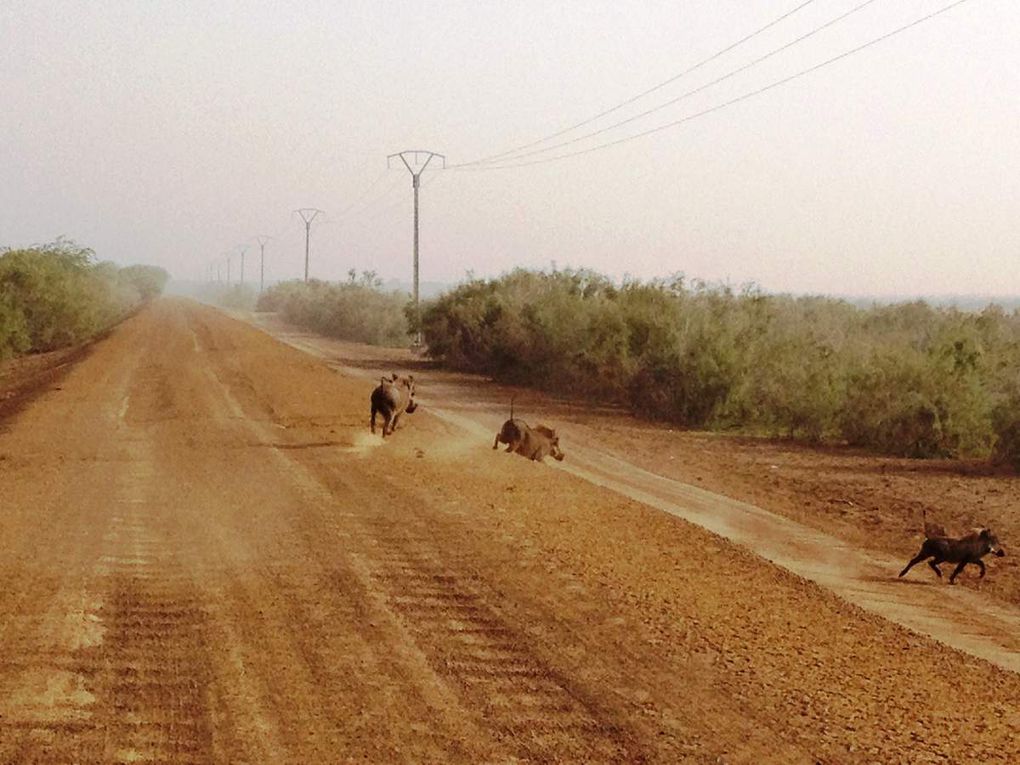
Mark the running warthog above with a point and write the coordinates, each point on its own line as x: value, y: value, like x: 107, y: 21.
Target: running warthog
x: 393, y: 396
x: 969, y: 549
x: 535, y: 443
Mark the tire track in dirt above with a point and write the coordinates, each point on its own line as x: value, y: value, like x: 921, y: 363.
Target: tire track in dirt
x: 958, y: 618
x: 150, y: 671
x: 519, y: 699
x: 118, y: 682
x: 518, y: 703
x: 48, y: 685
x: 392, y: 549
x: 224, y: 569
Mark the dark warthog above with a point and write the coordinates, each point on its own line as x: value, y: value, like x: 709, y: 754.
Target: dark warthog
x: 393, y: 397
x: 969, y: 549
x: 535, y: 443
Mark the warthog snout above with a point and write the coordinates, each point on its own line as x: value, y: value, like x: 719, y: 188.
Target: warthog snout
x: 555, y: 451
x: 993, y: 543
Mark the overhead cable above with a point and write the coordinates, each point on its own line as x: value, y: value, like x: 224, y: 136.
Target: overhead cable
x: 702, y: 88
x: 732, y: 101
x: 649, y: 91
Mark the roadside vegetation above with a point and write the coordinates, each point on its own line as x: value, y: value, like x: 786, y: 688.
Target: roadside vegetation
x: 240, y: 297
x: 906, y: 379
x: 357, y: 310
x: 57, y: 294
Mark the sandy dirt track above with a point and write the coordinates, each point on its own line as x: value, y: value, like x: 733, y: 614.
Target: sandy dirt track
x: 208, y: 559
x: 970, y: 621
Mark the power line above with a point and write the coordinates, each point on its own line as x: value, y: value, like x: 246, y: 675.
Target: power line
x: 363, y: 194
x: 644, y: 93
x: 706, y: 86
x: 387, y: 191
x: 732, y: 101
x: 398, y: 202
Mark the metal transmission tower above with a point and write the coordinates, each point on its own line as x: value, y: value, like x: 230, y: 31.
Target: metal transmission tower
x: 416, y: 167
x: 242, y: 251
x: 307, y: 215
x: 262, y: 260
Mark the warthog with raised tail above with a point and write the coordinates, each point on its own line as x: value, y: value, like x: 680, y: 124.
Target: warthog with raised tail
x: 393, y: 396
x: 969, y: 549
x: 535, y: 443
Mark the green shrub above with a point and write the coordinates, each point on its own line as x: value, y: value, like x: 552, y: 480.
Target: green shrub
x: 356, y: 310
x: 905, y: 379
x: 14, y: 337
x: 148, y: 281
x: 1006, y: 425
x: 55, y: 295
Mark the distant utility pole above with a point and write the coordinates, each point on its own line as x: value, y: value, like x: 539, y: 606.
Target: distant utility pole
x: 228, y: 270
x: 219, y: 278
x: 242, y: 266
x: 262, y: 261
x: 416, y: 167
x: 307, y: 215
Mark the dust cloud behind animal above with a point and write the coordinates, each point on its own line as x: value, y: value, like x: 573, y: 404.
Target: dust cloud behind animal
x: 391, y: 398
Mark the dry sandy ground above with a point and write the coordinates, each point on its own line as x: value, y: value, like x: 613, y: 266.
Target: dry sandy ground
x: 870, y: 501
x: 642, y: 462
x: 208, y: 559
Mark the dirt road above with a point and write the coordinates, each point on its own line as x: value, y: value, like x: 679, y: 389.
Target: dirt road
x: 963, y: 619
x: 207, y: 558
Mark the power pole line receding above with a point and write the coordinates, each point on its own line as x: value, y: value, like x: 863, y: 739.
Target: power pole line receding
x: 416, y: 168
x: 307, y: 214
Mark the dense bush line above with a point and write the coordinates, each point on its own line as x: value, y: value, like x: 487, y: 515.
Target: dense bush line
x: 356, y: 310
x: 905, y: 379
x: 56, y: 294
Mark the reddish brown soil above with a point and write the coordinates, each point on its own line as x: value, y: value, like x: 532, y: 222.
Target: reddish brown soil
x: 870, y: 501
x: 208, y: 559
x: 22, y: 379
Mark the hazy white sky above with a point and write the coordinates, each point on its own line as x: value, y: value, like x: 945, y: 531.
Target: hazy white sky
x: 175, y: 131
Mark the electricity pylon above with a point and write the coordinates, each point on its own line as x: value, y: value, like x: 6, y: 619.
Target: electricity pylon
x: 262, y: 260
x: 307, y: 215
x: 416, y: 168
